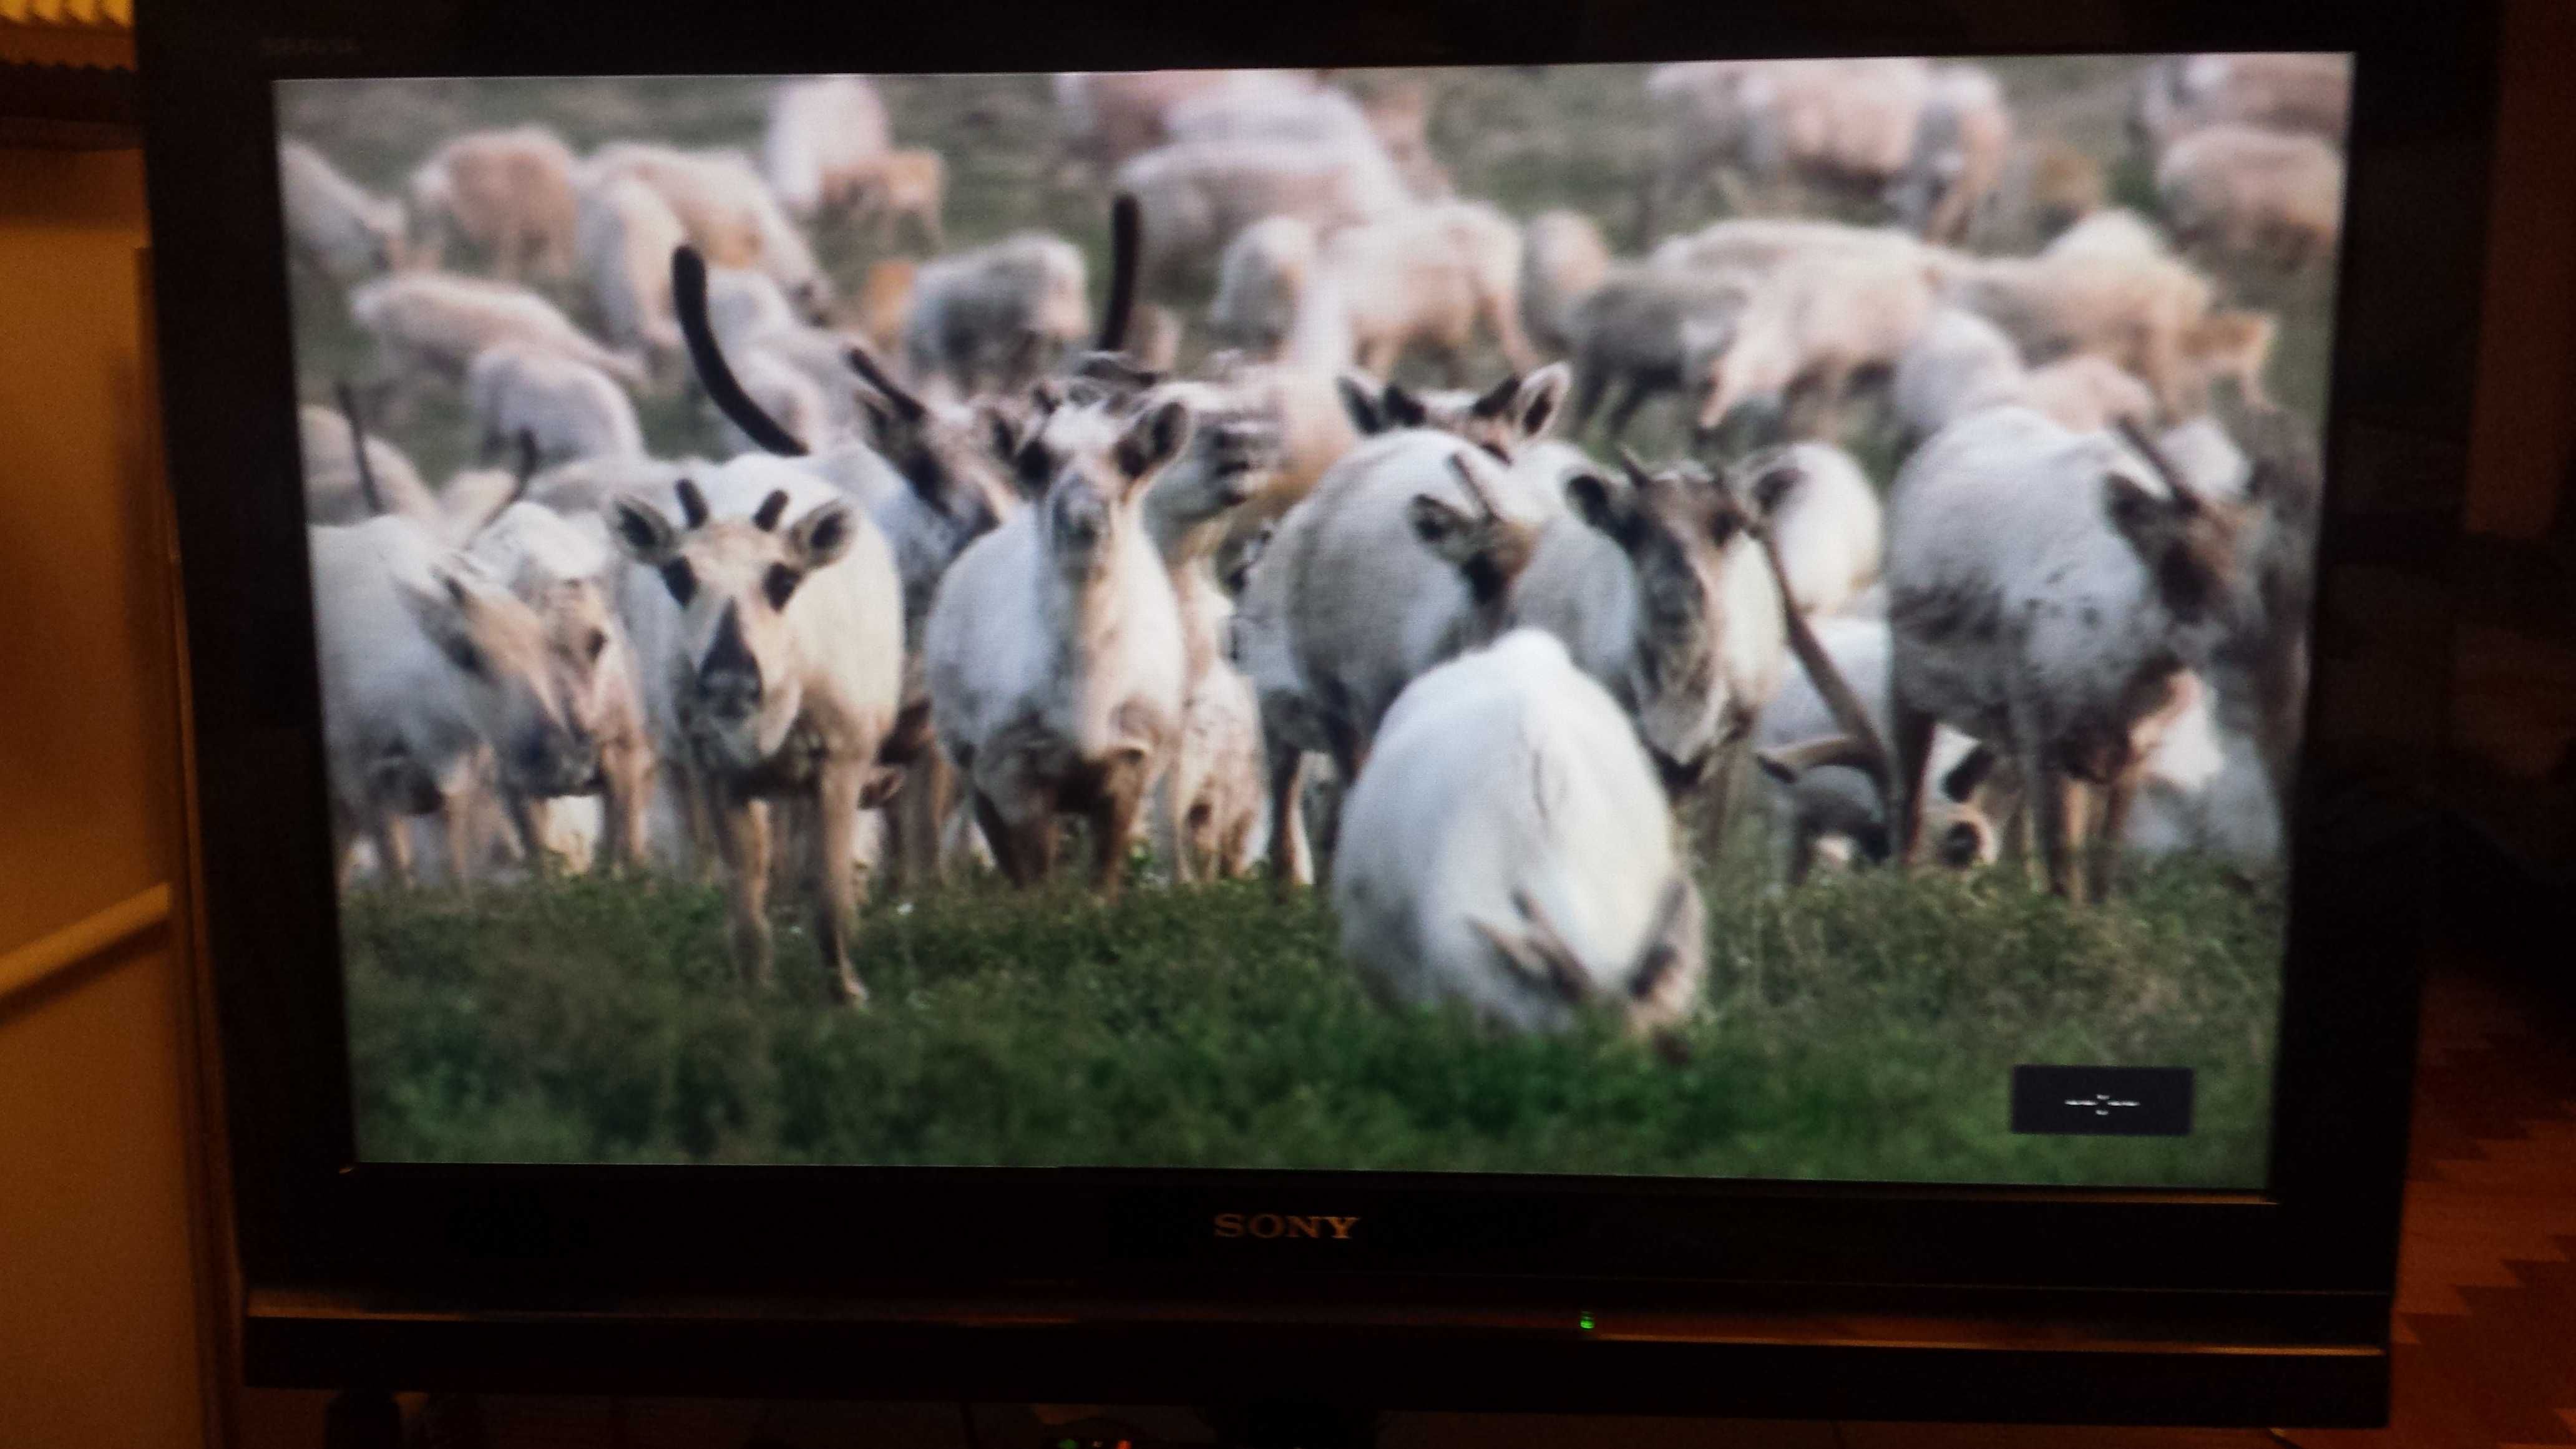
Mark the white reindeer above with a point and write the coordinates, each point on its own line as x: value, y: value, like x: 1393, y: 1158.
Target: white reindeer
x: 769, y: 627
x: 1509, y: 849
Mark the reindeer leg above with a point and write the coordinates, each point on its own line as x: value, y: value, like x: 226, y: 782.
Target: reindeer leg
x: 624, y: 804
x: 393, y: 846
x: 1172, y: 827
x: 529, y: 818
x: 1913, y: 746
x: 1113, y: 820
x: 1629, y: 401
x: 833, y: 877
x: 2117, y: 799
x: 1717, y: 799
x: 456, y: 817
x: 1292, y: 864
x: 2057, y: 810
x: 697, y: 798
x: 742, y: 839
x: 1000, y: 834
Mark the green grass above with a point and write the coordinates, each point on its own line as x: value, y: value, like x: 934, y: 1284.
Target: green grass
x: 1860, y: 1028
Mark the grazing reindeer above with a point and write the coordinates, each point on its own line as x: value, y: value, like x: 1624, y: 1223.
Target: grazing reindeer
x: 2047, y: 590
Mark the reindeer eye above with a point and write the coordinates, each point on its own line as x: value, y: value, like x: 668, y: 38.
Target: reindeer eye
x: 466, y: 656
x: 681, y: 580
x: 595, y: 645
x: 779, y: 584
x: 1722, y: 528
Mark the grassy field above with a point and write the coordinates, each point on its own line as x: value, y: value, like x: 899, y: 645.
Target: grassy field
x: 1860, y: 1028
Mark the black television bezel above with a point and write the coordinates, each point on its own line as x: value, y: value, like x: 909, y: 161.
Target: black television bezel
x: 346, y: 1262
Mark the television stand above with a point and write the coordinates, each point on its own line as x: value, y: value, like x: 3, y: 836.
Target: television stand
x: 362, y: 1419
x: 1293, y: 1426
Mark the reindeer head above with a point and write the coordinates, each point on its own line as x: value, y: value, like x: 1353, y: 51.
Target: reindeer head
x: 585, y: 648
x: 1500, y: 420
x: 1677, y: 528
x: 1488, y: 547
x: 739, y: 666
x: 1230, y: 457
x: 1843, y: 815
x: 1089, y: 470
x: 946, y: 454
x: 2193, y: 547
x: 497, y: 647
x: 1650, y: 991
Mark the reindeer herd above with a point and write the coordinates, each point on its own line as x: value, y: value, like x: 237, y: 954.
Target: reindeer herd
x: 976, y: 565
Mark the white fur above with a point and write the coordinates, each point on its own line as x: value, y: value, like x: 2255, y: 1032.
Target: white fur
x: 570, y: 409
x: 1828, y: 808
x: 2207, y: 789
x: 625, y: 236
x: 331, y: 493
x: 970, y: 309
x: 2022, y: 616
x: 440, y: 321
x: 1020, y: 659
x: 1508, y: 771
x: 339, y: 224
x: 1828, y: 529
x: 1959, y: 363
x: 820, y: 130
x: 726, y: 208
x: 1371, y: 607
x: 1195, y: 196
x: 1563, y: 257
x: 509, y: 192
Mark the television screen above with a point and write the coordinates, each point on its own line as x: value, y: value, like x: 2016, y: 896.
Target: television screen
x: 1718, y: 620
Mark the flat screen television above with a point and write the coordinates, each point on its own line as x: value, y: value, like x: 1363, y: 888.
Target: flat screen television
x: 1622, y: 708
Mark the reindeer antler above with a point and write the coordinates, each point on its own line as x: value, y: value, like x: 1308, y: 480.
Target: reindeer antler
x: 358, y: 448
x: 1475, y: 491
x: 2147, y: 448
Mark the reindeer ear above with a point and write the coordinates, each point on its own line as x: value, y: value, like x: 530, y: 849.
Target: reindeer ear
x: 1437, y: 522
x: 1968, y: 774
x: 1001, y: 434
x: 1366, y: 419
x: 1775, y: 485
x: 1542, y: 398
x: 821, y: 537
x: 1603, y: 507
x: 440, y: 613
x: 1403, y: 409
x: 1031, y: 467
x: 1153, y: 439
x: 882, y: 423
x: 2133, y: 510
x: 1496, y: 401
x: 884, y: 782
x: 640, y: 531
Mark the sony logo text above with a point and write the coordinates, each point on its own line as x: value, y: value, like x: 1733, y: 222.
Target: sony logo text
x: 1283, y: 1225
